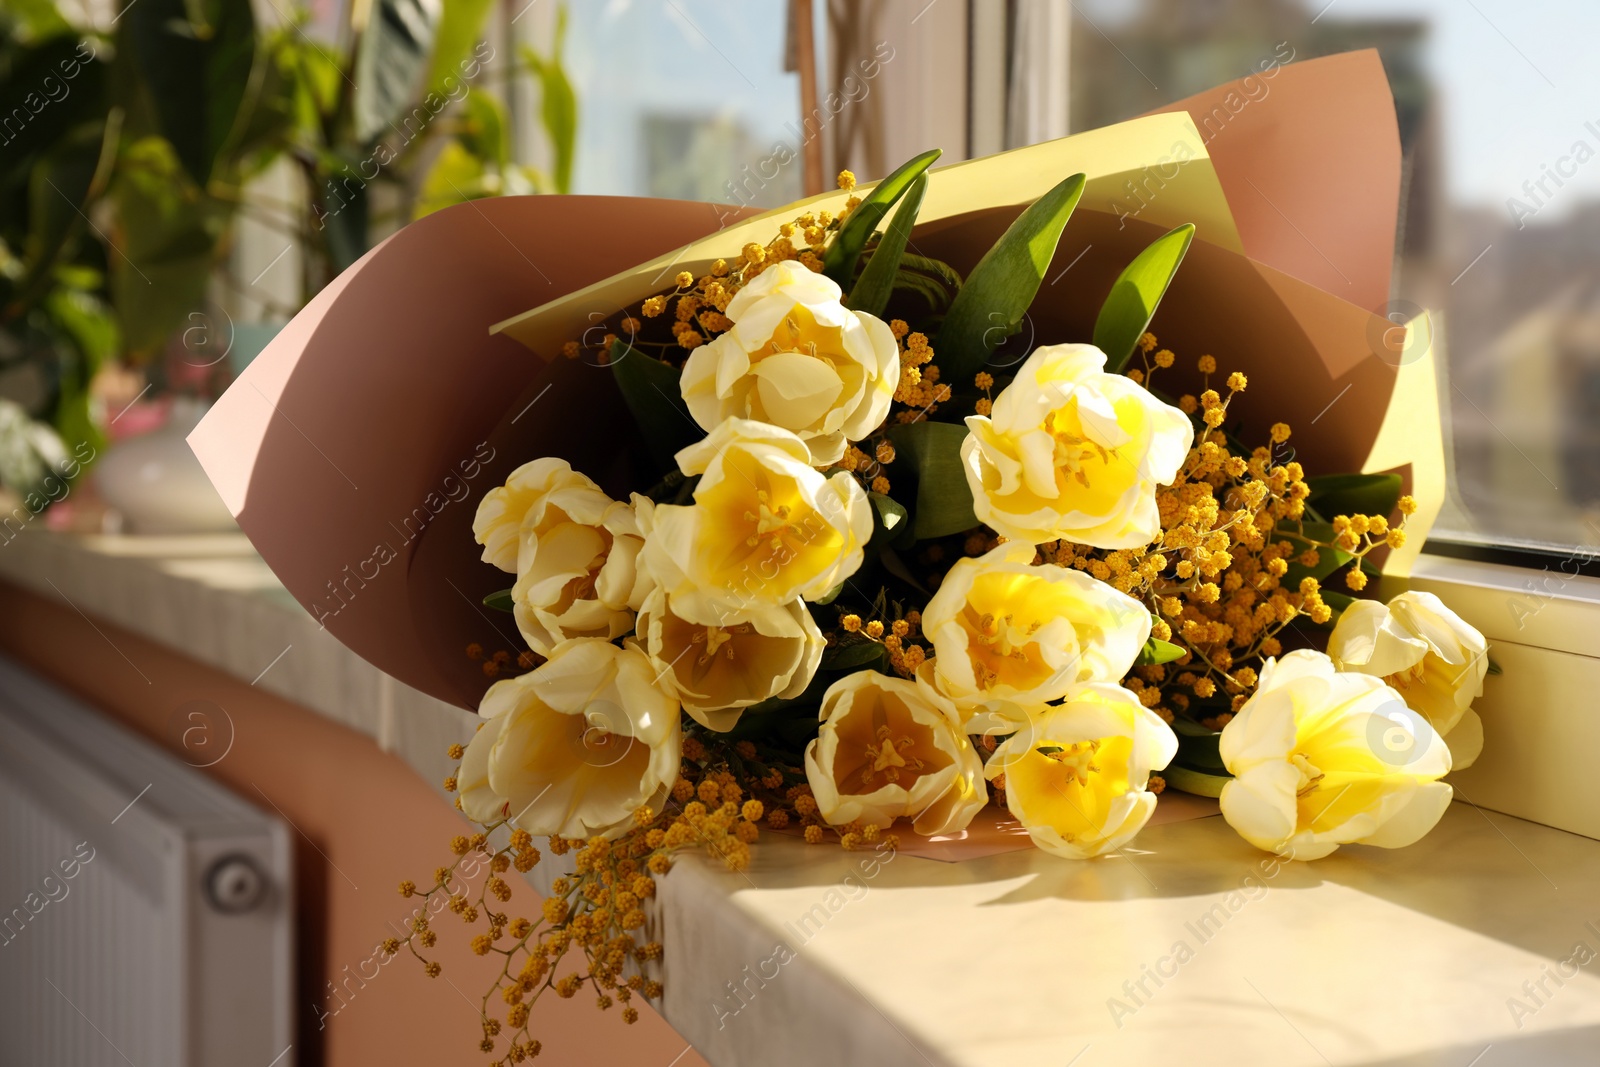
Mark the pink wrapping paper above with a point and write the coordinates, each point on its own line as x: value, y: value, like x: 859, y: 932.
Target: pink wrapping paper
x: 353, y: 451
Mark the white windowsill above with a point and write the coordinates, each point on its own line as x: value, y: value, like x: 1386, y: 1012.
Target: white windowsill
x: 1369, y: 957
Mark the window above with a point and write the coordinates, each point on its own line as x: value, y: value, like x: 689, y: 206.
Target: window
x: 678, y: 97
x: 1500, y: 213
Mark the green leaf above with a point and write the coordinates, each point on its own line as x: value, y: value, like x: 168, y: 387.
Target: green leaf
x: 391, y: 55
x: 312, y: 78
x: 758, y: 719
x: 839, y: 261
x: 1354, y: 494
x: 1329, y: 559
x: 1337, y: 601
x: 932, y: 450
x: 61, y: 190
x: 499, y: 600
x: 872, y: 289
x: 1198, y: 745
x: 937, y: 296
x: 32, y: 122
x: 1158, y: 651
x: 891, y: 524
x: 1495, y: 668
x: 1132, y: 301
x: 650, y: 388
x: 458, y: 30
x: 266, y: 124
x: 937, y: 268
x: 38, y: 20
x: 485, y: 130
x: 165, y: 243
x: 30, y: 453
x: 455, y: 177
x: 831, y: 595
x: 991, y: 305
x: 341, y: 209
x: 194, y: 59
x: 859, y: 655
x: 888, y: 510
x: 891, y: 561
x: 1198, y: 783
x: 558, y: 107
x: 88, y: 323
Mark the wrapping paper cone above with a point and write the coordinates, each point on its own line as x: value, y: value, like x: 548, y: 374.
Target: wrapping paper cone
x: 1158, y: 151
x: 354, y: 450
x: 1309, y: 156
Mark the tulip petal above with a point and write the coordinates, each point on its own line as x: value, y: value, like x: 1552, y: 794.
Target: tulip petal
x: 796, y: 390
x: 1260, y: 804
x: 1465, y: 740
x: 478, y: 801
x: 1412, y: 822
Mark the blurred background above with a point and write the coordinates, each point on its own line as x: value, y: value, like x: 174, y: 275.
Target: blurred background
x: 179, y: 177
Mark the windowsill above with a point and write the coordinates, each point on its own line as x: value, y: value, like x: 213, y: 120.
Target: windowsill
x: 212, y: 598
x: 818, y: 956
x: 1539, y: 721
x: 1551, y: 607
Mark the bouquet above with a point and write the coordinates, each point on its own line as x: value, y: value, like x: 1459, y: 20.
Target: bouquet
x: 853, y: 519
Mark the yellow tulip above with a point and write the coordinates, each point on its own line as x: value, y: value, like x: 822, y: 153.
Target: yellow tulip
x: 717, y: 670
x: 1006, y: 630
x: 765, y: 527
x: 1071, y: 452
x: 574, y: 551
x: 889, y: 748
x: 575, y: 746
x: 1425, y: 651
x: 796, y: 357
x: 1077, y: 773
x: 1321, y: 758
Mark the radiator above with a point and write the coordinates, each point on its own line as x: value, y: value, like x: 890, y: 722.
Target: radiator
x: 145, y: 911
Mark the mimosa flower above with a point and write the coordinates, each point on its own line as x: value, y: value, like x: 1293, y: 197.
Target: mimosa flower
x: 1071, y: 452
x: 1425, y: 651
x: 764, y: 529
x: 1006, y: 630
x: 717, y: 670
x: 1076, y: 774
x: 889, y: 748
x: 1322, y: 758
x: 796, y: 357
x: 574, y: 747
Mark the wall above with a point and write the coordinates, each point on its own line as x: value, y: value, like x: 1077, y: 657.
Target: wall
x: 365, y: 821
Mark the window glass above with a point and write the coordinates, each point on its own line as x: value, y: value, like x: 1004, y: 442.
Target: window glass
x: 684, y: 98
x: 1500, y: 210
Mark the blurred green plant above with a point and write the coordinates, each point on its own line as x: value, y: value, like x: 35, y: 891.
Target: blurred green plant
x: 59, y: 136
x: 127, y: 157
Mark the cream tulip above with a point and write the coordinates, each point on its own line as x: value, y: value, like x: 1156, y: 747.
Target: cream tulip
x: 888, y: 749
x: 1004, y: 629
x: 574, y: 747
x: 1321, y: 758
x: 718, y: 670
x: 1070, y: 452
x: 1077, y: 773
x: 796, y: 357
x: 576, y: 554
x: 765, y: 527
x: 1425, y: 651
x: 497, y: 524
